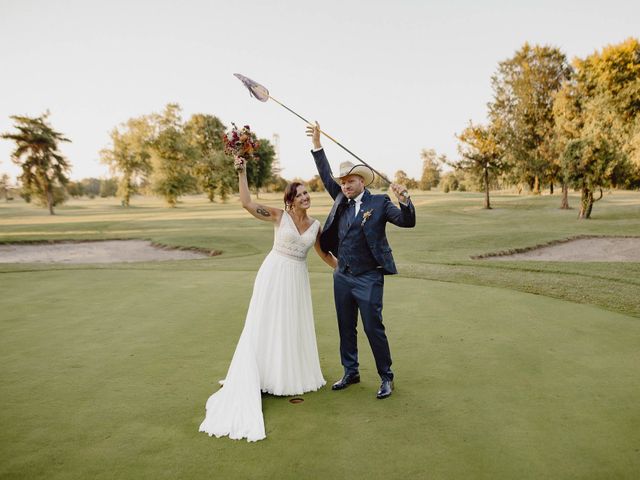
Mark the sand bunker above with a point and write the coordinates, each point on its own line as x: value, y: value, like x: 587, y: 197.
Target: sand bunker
x: 110, y: 251
x: 595, y: 249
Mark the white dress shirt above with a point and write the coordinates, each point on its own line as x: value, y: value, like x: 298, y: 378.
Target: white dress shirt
x: 358, y: 201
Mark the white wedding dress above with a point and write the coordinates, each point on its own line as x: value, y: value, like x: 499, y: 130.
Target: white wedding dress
x: 277, y: 351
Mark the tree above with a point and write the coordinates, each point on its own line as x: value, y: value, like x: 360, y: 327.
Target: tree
x: 584, y: 164
x: 522, y: 111
x: 449, y: 182
x: 599, y: 122
x: 315, y: 184
x: 130, y: 154
x: 172, y: 157
x: 277, y: 184
x: 431, y: 169
x: 75, y: 189
x: 4, y: 187
x: 379, y: 183
x: 213, y: 170
x: 44, y: 169
x: 483, y: 155
x: 109, y: 187
x: 259, y: 167
x: 567, y: 125
x: 227, y: 178
x: 402, y: 178
x: 90, y: 187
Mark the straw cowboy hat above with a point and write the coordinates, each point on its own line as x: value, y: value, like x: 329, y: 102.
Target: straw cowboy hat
x: 348, y: 168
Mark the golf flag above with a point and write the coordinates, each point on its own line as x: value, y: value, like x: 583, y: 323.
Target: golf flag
x: 255, y: 89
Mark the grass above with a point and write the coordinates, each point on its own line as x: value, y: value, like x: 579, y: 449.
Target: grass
x: 451, y: 229
x: 106, y: 368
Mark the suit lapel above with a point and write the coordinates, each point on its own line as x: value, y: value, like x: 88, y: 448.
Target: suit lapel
x: 332, y: 214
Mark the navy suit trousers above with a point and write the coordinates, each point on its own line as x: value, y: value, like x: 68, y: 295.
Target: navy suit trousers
x: 364, y: 293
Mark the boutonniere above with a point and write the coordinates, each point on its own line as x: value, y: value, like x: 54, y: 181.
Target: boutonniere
x: 365, y: 217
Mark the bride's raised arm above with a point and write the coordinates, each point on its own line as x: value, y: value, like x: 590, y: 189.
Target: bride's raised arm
x: 261, y: 212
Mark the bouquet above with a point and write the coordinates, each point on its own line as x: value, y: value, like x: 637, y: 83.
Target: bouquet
x: 240, y: 143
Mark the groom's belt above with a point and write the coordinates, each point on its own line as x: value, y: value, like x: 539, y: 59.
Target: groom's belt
x: 349, y: 270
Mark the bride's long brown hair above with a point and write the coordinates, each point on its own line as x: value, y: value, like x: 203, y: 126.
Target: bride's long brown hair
x: 290, y: 194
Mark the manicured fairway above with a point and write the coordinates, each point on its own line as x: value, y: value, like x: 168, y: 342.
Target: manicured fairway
x: 105, y: 369
x: 500, y: 385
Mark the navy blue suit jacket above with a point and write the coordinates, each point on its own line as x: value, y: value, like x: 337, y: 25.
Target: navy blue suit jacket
x: 380, y: 210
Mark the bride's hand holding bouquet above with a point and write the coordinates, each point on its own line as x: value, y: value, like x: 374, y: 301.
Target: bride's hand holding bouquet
x: 240, y: 144
x: 239, y: 165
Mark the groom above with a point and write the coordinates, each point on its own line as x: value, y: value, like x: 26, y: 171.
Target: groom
x: 355, y: 233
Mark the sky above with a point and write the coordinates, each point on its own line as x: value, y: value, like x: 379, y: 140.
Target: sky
x: 386, y: 79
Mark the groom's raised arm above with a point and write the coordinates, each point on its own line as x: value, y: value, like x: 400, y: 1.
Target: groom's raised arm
x: 322, y: 164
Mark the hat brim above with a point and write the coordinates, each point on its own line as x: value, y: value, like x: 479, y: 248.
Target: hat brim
x: 361, y: 170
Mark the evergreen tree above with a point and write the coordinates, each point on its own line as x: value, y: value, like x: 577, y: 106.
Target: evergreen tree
x: 44, y: 169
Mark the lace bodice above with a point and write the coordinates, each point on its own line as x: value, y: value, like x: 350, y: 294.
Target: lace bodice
x: 287, y: 241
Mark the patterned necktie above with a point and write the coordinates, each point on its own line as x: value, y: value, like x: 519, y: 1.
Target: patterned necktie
x: 351, y: 211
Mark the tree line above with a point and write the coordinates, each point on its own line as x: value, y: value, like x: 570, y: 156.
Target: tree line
x: 156, y: 154
x: 164, y: 155
x: 552, y: 122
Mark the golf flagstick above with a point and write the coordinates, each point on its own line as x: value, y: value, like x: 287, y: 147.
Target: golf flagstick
x: 261, y: 93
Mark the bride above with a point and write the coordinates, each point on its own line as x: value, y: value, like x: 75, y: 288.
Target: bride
x: 277, y: 351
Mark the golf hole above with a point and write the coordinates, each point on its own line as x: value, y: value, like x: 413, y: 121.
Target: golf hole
x: 296, y: 400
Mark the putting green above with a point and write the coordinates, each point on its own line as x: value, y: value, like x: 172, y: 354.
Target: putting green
x: 105, y: 373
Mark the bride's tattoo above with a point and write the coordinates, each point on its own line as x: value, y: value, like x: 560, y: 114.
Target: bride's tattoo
x: 263, y: 211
